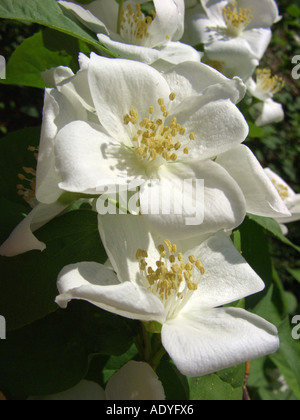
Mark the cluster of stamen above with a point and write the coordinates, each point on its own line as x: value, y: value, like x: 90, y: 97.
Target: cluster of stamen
x: 282, y: 189
x: 236, y: 18
x: 268, y: 83
x: 153, y: 138
x: 26, y: 189
x: 172, y: 277
x: 134, y: 24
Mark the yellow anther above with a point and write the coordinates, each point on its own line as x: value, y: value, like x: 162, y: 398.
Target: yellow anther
x: 151, y: 109
x: 186, y: 150
x: 172, y: 96
x: 192, y: 259
x: 192, y: 136
x: 180, y: 256
x: 168, y: 245
x: 200, y: 266
x: 172, y: 259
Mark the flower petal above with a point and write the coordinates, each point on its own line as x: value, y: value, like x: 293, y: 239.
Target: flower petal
x: 228, y: 277
x: 85, y: 16
x: 135, y: 381
x: 217, y: 123
x: 261, y: 196
x: 271, y: 112
x: 139, y: 85
x: 122, y: 236
x: 205, y: 342
x: 89, y: 161
x: 168, y: 23
x: 22, y: 239
x: 179, y: 205
x: 101, y: 287
x: 197, y: 77
x: 265, y: 12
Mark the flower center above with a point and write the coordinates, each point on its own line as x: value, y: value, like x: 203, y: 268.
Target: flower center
x: 134, y: 25
x: 172, y: 280
x: 282, y: 190
x: 153, y: 138
x: 267, y: 83
x: 26, y: 189
x: 236, y: 18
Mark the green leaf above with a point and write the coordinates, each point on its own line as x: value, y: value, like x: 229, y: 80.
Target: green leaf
x: 44, y: 50
x: 28, y: 281
x: 255, y: 250
x: 174, y: 383
x: 287, y: 359
x: 49, y: 13
x: 52, y: 355
x: 255, y: 131
x: 224, y: 385
x: 294, y: 10
x: 272, y: 227
x: 295, y: 272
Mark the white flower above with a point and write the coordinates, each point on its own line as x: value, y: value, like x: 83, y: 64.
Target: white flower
x: 158, y: 129
x: 265, y: 87
x: 235, y: 34
x: 182, y: 287
x: 127, y: 31
x: 288, y: 196
x: 134, y: 381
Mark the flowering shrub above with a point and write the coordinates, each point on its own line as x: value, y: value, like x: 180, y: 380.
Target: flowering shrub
x: 137, y: 218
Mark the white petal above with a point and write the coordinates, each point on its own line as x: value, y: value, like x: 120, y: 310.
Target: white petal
x: 208, y: 341
x: 84, y: 391
x: 259, y: 40
x: 131, y: 52
x: 228, y: 277
x: 271, y: 112
x: 217, y: 123
x: 122, y: 236
x: 177, y: 207
x: 47, y: 179
x: 85, y: 16
x: 135, y: 381
x: 195, y: 77
x: 175, y: 53
x: 265, y: 12
x: 139, y: 86
x: 261, y: 196
x: 89, y: 161
x: 169, y: 21
x: 235, y: 57
x: 101, y: 287
x: 22, y: 239
x: 214, y: 10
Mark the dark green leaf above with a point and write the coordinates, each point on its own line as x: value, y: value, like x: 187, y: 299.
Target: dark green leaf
x: 28, y: 281
x: 272, y: 227
x: 53, y: 354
